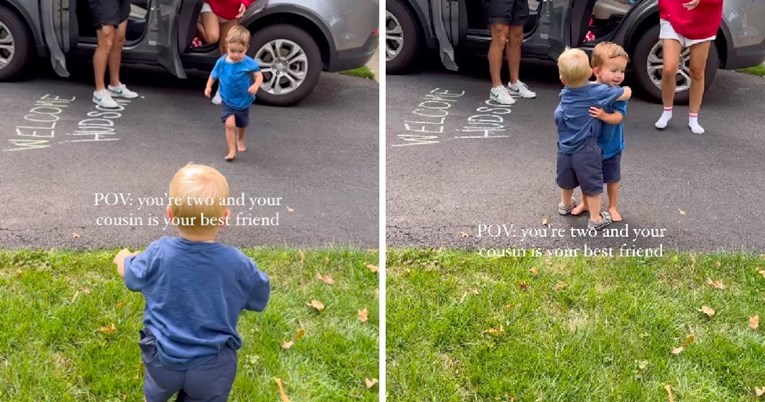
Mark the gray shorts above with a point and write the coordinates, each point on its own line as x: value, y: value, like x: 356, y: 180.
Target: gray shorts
x: 109, y: 12
x: 583, y: 169
x: 612, y: 169
x: 210, y: 381
x: 509, y: 12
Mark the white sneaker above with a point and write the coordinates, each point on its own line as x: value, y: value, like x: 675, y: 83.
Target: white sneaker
x: 501, y: 95
x: 121, y: 91
x: 520, y: 89
x: 216, y: 100
x: 102, y: 98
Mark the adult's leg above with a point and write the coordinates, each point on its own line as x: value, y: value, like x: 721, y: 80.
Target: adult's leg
x: 499, y: 39
x: 209, y: 27
x: 513, y: 51
x: 105, y: 35
x: 115, y: 55
x: 698, y: 65
x: 672, y: 49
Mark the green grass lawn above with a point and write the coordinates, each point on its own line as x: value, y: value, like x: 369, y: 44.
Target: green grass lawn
x: 70, y: 328
x: 363, y: 72
x: 465, y: 328
x: 756, y: 70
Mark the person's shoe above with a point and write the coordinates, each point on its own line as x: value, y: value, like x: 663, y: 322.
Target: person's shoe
x: 593, y: 225
x: 121, y: 91
x: 501, y: 95
x: 520, y: 89
x: 102, y: 98
x: 564, y: 209
x: 216, y: 100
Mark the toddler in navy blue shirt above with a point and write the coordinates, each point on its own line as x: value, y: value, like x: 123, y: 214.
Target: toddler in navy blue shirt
x: 195, y: 290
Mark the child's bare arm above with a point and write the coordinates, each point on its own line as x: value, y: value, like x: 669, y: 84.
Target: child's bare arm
x: 626, y: 95
x: 608, y: 118
x: 258, y: 77
x: 208, y: 88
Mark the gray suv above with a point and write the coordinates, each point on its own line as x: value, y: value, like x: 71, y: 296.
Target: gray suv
x: 449, y: 25
x: 294, y: 40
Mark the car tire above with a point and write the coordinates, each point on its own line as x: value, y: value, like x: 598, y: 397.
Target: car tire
x: 277, y: 72
x: 647, y: 69
x: 21, y: 44
x: 403, y: 22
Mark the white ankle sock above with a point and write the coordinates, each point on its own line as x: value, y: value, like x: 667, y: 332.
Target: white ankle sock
x: 693, y: 123
x: 664, y: 119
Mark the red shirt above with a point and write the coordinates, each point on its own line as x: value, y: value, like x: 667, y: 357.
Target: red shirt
x: 228, y: 9
x: 700, y: 23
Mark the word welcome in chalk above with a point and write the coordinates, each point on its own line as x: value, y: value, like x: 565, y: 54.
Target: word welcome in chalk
x: 40, y: 124
x: 495, y: 230
x: 431, y: 113
x: 127, y: 199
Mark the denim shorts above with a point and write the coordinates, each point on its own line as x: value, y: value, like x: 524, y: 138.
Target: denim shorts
x: 582, y: 169
x: 612, y: 169
x: 211, y: 381
x: 241, y: 116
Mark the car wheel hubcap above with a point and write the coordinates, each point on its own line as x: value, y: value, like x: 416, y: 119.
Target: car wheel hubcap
x: 655, y: 67
x: 394, y: 36
x: 284, y: 65
x: 7, y: 46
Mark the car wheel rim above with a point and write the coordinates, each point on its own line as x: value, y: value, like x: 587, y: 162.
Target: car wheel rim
x: 284, y: 65
x: 655, y: 67
x: 394, y: 36
x: 7, y: 46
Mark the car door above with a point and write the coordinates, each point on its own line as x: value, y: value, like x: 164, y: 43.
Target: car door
x: 59, y: 22
x: 166, y: 20
x: 569, y: 21
x: 450, y: 28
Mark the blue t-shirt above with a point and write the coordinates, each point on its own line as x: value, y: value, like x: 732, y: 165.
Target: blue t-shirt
x: 611, y: 138
x: 194, y: 293
x: 572, y: 116
x: 235, y: 79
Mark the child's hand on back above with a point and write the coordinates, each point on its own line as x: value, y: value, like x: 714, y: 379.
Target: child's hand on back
x: 596, y: 112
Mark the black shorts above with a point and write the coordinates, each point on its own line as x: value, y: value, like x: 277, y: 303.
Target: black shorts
x: 241, y: 116
x: 583, y: 169
x: 109, y: 12
x: 612, y: 169
x: 510, y: 12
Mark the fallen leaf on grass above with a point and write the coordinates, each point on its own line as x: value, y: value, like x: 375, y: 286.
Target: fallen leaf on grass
x: 533, y: 271
x: 689, y: 340
x: 560, y: 286
x: 642, y: 364
x: 108, y: 329
x: 759, y: 391
x: 496, y: 331
x: 363, y: 315
x: 707, y: 310
x: 523, y: 285
x: 75, y: 235
x: 325, y: 278
x: 464, y: 235
x: 681, y: 211
x: 299, y: 334
x: 370, y: 382
x: 316, y: 304
x: 373, y: 267
x: 677, y: 351
x: 287, y: 344
x: 715, y: 284
x: 290, y: 209
x: 282, y: 394
x: 669, y: 393
x: 472, y: 291
x: 754, y: 322
x: 545, y: 220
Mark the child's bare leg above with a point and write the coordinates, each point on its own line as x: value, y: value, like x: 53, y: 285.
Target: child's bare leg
x: 593, y: 203
x: 581, y: 207
x: 613, y: 200
x: 240, y: 139
x: 565, y: 196
x: 230, y: 138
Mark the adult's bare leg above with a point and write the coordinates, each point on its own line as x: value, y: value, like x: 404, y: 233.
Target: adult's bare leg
x: 105, y: 36
x: 115, y: 55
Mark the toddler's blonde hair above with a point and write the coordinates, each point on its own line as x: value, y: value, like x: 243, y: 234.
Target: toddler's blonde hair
x: 198, y: 189
x: 574, y: 67
x: 238, y: 35
x: 607, y: 50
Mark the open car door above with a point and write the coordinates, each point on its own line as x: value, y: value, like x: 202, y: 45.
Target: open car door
x: 167, y: 20
x: 450, y: 26
x: 60, y: 31
x: 569, y: 21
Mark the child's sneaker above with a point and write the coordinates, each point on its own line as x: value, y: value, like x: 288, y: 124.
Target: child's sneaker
x: 520, y: 89
x: 599, y: 225
x: 501, y: 95
x: 102, y: 98
x: 121, y: 91
x: 564, y: 209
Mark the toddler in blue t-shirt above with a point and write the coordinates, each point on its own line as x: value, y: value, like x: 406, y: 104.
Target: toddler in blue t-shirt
x: 195, y: 290
x: 240, y: 79
x: 609, y: 61
x: 579, y: 161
